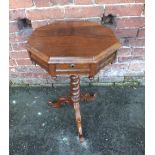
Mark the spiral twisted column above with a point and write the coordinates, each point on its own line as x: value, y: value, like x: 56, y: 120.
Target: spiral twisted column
x: 75, y: 98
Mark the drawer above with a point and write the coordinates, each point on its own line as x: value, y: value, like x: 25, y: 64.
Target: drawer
x: 72, y: 66
x: 61, y: 69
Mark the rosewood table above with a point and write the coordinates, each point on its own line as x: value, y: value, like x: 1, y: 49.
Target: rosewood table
x: 73, y: 48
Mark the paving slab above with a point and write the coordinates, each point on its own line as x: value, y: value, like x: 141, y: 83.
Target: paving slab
x: 113, y: 124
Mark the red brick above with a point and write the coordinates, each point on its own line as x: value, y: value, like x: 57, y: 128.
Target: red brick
x: 12, y: 69
x: 16, y: 14
x: 138, y: 58
x: 141, y: 33
x: 132, y: 42
x: 135, y: 22
x: 137, y: 42
x: 19, y: 36
x: 19, y: 55
x: 33, y: 75
x: 83, y: 12
x: 42, y: 3
x: 137, y: 67
x: 18, y: 46
x: 13, y: 75
x: 120, y: 33
x: 125, y: 59
x: 12, y: 37
x: 12, y: 62
x: 79, y: 2
x: 94, y: 19
x: 13, y: 4
x: 24, y: 62
x: 143, y: 10
x: 23, y: 35
x: 117, y: 66
x: 139, y: 1
x: 13, y: 27
x: 61, y: 2
x: 114, y: 1
x: 138, y: 52
x: 118, y: 69
x: 30, y: 69
x: 125, y: 10
x: 130, y: 58
x: 37, y: 24
x: 122, y: 52
x: 10, y: 47
x: 40, y: 14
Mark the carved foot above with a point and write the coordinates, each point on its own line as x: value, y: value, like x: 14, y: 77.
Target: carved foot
x: 78, y: 121
x: 88, y: 97
x: 60, y: 102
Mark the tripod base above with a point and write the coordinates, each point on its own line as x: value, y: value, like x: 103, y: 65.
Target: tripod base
x: 73, y: 99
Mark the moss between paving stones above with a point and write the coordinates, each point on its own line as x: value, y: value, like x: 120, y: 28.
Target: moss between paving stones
x: 128, y: 81
x: 133, y: 83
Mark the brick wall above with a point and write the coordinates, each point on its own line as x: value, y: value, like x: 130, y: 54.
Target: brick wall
x: 128, y: 25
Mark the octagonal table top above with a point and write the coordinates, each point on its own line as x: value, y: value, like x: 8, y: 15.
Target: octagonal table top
x: 72, y: 41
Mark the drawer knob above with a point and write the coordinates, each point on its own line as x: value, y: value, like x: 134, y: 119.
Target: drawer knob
x: 72, y: 65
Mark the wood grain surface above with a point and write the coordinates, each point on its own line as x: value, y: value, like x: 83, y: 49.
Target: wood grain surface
x: 75, y: 46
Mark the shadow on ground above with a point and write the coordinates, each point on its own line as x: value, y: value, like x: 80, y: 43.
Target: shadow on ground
x: 113, y: 124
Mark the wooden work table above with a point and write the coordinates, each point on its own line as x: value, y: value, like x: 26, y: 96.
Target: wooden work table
x: 73, y: 48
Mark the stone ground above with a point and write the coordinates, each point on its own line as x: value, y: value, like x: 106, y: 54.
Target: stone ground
x: 112, y: 125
